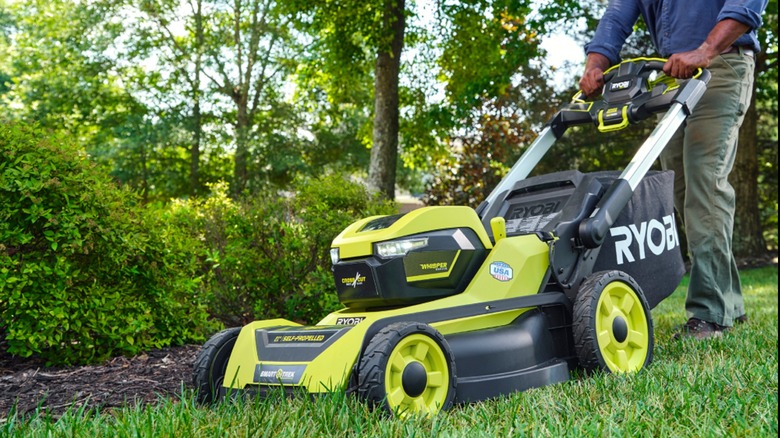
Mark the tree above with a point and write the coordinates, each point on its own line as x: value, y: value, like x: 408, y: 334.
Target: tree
x: 478, y: 45
x: 349, y: 34
x: 503, y: 128
x: 242, y: 48
x: 384, y: 151
x: 6, y: 21
x: 59, y: 76
x: 184, y: 55
x: 255, y: 35
x: 213, y: 79
x: 754, y: 140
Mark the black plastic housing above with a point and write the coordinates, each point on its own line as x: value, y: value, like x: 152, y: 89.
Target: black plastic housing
x: 442, y: 268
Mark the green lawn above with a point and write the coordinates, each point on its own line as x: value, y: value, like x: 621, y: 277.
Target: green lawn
x: 719, y: 387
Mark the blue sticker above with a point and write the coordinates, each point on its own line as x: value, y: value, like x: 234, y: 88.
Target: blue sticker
x: 501, y: 271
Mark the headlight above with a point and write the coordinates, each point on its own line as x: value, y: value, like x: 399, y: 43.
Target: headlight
x: 399, y: 248
x: 334, y: 255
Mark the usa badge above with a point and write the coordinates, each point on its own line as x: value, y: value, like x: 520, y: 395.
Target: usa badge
x: 501, y: 271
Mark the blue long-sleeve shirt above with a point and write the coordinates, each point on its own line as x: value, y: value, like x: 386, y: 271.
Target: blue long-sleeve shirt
x: 675, y: 25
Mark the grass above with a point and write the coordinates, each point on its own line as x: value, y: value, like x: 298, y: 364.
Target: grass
x: 719, y: 387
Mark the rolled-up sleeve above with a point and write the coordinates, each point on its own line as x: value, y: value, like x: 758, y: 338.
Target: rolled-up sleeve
x: 614, y: 28
x: 745, y: 11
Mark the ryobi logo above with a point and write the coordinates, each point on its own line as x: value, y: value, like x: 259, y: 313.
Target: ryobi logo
x: 619, y: 85
x: 355, y: 320
x: 525, y: 211
x: 653, y: 235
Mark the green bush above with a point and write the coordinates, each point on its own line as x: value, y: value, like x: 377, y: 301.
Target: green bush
x: 267, y: 255
x: 84, y: 271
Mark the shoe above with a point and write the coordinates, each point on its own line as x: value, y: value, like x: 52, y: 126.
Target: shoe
x: 741, y: 319
x: 699, y: 329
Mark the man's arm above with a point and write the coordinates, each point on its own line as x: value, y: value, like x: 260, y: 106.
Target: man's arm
x: 604, y: 50
x: 683, y: 65
x: 593, y: 79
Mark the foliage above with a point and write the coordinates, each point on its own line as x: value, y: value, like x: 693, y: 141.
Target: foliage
x: 468, y: 176
x: 717, y: 387
x: 488, y: 41
x: 267, y: 255
x: 83, y: 274
x: 5, y: 24
x: 59, y: 76
x: 479, y: 158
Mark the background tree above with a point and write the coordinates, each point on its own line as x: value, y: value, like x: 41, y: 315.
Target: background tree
x: 250, y: 72
x: 502, y: 130
x: 59, y: 75
x: 351, y: 33
x: 183, y: 55
x: 756, y: 162
x: 384, y: 149
x: 6, y: 22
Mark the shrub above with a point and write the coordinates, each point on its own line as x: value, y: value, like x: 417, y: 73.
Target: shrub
x: 267, y: 255
x: 83, y: 273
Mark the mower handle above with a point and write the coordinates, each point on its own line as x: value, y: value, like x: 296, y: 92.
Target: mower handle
x: 633, y: 90
x: 632, y: 94
x: 657, y: 64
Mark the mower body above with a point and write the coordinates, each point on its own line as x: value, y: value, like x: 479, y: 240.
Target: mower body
x: 483, y: 299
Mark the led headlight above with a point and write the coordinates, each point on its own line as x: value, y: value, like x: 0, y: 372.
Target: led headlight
x: 334, y: 255
x: 399, y: 248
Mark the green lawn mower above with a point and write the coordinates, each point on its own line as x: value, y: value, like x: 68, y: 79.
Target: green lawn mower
x: 450, y: 304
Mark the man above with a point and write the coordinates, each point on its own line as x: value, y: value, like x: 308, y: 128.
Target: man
x: 719, y: 35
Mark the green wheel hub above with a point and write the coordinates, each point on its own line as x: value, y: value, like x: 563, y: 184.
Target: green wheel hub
x: 613, y: 329
x: 416, y: 376
x: 621, y: 328
x: 408, y: 369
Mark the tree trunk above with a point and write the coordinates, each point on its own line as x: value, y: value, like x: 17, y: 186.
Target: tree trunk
x: 195, y: 148
x: 384, y: 152
x: 196, y: 112
x: 240, y: 173
x: 240, y: 96
x: 748, y: 237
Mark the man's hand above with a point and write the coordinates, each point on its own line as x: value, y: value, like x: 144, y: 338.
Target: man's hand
x: 592, y: 81
x: 684, y: 65
x: 721, y: 37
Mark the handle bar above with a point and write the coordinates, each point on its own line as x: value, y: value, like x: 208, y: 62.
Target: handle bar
x: 633, y: 91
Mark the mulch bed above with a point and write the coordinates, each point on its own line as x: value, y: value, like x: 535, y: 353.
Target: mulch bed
x: 118, y: 382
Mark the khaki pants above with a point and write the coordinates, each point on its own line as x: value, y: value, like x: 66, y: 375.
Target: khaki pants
x: 702, y: 153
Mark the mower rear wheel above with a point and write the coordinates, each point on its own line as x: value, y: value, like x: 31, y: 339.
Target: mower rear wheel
x: 408, y: 369
x: 613, y: 328
x: 210, y: 365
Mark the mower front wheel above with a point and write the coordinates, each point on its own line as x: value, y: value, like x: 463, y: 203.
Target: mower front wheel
x: 613, y: 329
x: 408, y: 369
x: 210, y: 365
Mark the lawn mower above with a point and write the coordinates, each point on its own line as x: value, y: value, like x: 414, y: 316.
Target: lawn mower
x: 451, y: 304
